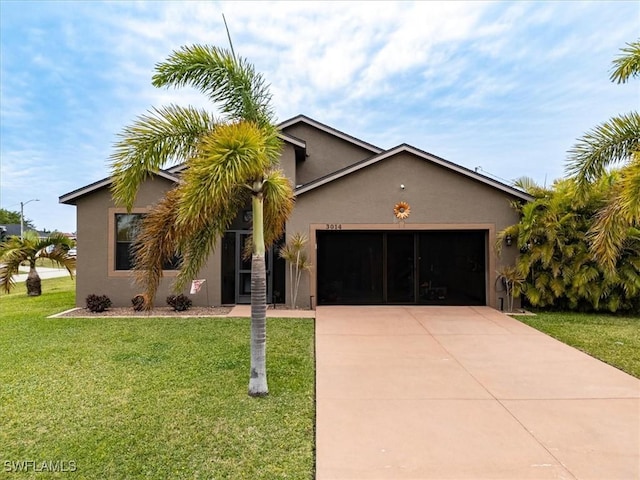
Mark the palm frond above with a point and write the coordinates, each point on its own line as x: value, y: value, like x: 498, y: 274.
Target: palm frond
x: 203, y: 234
x: 163, y: 136
x: 608, y: 233
x: 156, y: 243
x: 8, y: 268
x: 279, y: 200
x: 230, y: 158
x: 627, y: 65
x: 228, y: 80
x: 629, y: 194
x: 609, y: 143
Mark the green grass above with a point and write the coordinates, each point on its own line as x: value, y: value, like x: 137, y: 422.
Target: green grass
x: 610, y: 338
x: 151, y: 398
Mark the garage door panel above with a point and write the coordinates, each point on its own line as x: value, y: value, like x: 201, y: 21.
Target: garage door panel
x: 425, y: 267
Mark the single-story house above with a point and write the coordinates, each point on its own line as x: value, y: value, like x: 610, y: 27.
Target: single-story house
x: 396, y: 226
x: 13, y: 230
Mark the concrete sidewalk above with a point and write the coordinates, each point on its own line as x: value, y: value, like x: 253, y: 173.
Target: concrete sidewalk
x: 245, y: 311
x: 465, y: 393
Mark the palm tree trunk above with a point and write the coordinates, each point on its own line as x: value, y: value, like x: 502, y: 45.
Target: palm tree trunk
x: 258, y: 378
x: 34, y: 284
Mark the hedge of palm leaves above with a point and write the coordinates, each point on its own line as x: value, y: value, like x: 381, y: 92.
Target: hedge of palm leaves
x: 555, y: 260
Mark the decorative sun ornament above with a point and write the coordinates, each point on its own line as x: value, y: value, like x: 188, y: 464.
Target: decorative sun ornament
x: 402, y: 210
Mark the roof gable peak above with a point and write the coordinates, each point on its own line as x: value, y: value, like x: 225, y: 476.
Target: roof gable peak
x: 330, y: 130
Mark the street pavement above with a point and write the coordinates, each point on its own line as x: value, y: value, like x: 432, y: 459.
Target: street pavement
x: 44, y: 272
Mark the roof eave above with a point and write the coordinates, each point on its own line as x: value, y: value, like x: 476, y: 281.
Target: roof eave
x: 72, y: 197
x: 424, y: 155
x: 331, y: 131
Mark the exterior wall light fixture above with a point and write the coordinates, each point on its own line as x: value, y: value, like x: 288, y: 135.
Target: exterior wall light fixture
x: 508, y: 240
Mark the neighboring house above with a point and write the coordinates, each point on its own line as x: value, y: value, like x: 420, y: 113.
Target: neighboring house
x: 351, y: 197
x: 13, y: 229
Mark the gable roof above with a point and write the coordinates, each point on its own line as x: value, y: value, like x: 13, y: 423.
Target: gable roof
x: 330, y: 130
x: 378, y: 155
x: 71, y: 197
x: 169, y: 174
x: 405, y: 148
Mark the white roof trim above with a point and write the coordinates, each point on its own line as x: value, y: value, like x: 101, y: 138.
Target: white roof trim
x: 72, y: 196
x: 331, y: 131
x: 296, y: 142
x: 421, y: 154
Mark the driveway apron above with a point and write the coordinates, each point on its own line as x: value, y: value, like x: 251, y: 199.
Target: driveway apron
x: 465, y: 393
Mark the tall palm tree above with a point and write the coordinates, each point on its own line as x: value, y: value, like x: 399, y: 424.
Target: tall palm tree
x: 15, y: 251
x: 612, y: 142
x: 229, y: 161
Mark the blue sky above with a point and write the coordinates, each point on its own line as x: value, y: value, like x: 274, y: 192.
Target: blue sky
x: 504, y: 86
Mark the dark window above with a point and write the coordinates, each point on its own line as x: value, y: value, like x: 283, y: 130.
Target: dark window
x: 127, y: 228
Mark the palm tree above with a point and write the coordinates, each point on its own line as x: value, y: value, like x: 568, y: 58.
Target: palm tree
x: 229, y: 162
x: 555, y: 267
x: 294, y: 253
x: 612, y: 142
x: 15, y: 251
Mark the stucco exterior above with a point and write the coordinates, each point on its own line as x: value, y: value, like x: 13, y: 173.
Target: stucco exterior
x: 439, y: 199
x: 342, y: 184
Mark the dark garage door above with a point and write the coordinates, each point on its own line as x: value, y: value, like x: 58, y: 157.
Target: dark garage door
x: 426, y: 267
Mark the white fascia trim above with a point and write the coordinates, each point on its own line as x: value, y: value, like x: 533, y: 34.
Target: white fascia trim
x: 69, y: 197
x: 424, y: 155
x: 296, y: 142
x: 331, y: 131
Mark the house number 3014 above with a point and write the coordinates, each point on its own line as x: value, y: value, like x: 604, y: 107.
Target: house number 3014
x: 334, y: 226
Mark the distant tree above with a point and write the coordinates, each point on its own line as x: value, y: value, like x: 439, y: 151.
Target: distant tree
x: 12, y: 218
x: 613, y: 142
x: 230, y: 162
x: 14, y: 252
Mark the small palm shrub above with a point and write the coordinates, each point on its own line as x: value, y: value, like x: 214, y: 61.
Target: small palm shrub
x: 180, y: 303
x: 98, y: 303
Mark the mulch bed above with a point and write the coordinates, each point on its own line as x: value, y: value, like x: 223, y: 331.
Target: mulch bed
x: 155, y: 312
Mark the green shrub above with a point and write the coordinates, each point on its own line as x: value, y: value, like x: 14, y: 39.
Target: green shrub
x: 98, y: 303
x: 138, y: 302
x: 180, y: 303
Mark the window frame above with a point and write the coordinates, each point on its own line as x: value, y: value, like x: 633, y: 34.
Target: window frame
x: 112, y: 239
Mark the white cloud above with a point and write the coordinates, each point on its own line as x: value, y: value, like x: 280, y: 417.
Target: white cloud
x: 505, y: 85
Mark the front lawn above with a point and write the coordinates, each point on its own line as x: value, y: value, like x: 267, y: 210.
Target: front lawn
x: 152, y: 397
x: 610, y: 338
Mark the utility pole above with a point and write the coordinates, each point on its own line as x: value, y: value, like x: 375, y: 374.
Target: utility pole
x: 22, y: 204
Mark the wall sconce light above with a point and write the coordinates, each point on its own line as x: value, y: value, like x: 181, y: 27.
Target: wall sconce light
x: 402, y: 186
x: 508, y: 240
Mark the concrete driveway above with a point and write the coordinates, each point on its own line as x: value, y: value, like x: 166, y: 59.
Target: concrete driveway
x: 465, y: 393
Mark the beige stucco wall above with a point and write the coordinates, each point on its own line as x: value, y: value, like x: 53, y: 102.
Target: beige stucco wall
x: 288, y: 160
x: 439, y: 199
x: 326, y: 153
x: 95, y: 272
